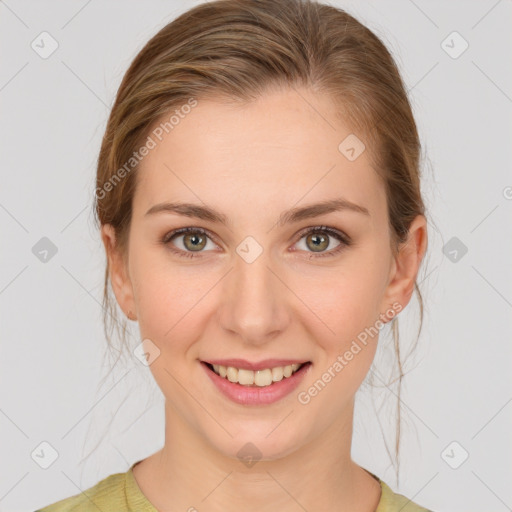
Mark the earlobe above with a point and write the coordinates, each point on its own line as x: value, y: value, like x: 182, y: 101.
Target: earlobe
x: 406, y: 265
x: 119, y: 277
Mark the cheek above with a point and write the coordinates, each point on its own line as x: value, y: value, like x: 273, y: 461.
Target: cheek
x: 343, y: 302
x: 169, y: 301
x: 347, y: 337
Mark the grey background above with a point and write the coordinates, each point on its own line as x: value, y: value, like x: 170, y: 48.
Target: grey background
x: 53, y: 113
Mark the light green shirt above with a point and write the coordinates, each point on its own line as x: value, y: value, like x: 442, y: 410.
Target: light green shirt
x: 120, y: 493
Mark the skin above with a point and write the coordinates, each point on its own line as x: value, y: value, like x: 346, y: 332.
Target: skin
x: 252, y: 162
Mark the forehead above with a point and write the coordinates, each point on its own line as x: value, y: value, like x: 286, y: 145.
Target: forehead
x: 280, y: 149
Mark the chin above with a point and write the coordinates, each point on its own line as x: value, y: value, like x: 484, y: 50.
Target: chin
x: 250, y: 446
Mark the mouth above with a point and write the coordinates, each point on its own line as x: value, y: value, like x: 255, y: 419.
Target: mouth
x: 261, y: 378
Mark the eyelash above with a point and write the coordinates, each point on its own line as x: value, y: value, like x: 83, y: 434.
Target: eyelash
x: 344, y: 240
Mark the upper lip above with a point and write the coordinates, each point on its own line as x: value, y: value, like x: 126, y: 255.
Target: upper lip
x: 243, y: 364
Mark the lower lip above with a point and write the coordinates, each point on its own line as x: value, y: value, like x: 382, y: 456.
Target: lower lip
x: 249, y: 395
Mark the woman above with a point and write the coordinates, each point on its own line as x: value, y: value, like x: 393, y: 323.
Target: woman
x: 258, y: 195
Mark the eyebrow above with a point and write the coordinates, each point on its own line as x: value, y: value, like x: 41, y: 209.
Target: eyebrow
x: 289, y: 216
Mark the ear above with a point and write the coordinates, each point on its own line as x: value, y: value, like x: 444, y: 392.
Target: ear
x: 119, y: 276
x: 405, y: 268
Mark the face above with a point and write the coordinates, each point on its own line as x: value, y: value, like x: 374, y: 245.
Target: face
x: 262, y: 281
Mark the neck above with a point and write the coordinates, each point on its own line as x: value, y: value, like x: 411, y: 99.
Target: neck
x: 189, y: 473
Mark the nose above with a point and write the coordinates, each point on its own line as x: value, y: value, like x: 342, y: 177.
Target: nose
x: 254, y: 303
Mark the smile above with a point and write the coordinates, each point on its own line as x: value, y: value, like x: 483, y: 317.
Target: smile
x: 256, y: 386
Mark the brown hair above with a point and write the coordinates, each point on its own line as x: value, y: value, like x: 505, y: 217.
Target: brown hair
x: 237, y: 49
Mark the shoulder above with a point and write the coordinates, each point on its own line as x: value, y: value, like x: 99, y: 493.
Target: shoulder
x: 108, y: 494
x: 393, y: 502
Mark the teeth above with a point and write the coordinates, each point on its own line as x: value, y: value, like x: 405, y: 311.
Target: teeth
x: 245, y: 377
x: 277, y: 374
x: 263, y: 377
x: 232, y: 374
x: 259, y: 378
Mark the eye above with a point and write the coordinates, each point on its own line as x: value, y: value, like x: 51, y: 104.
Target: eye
x: 317, y: 239
x: 194, y: 240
